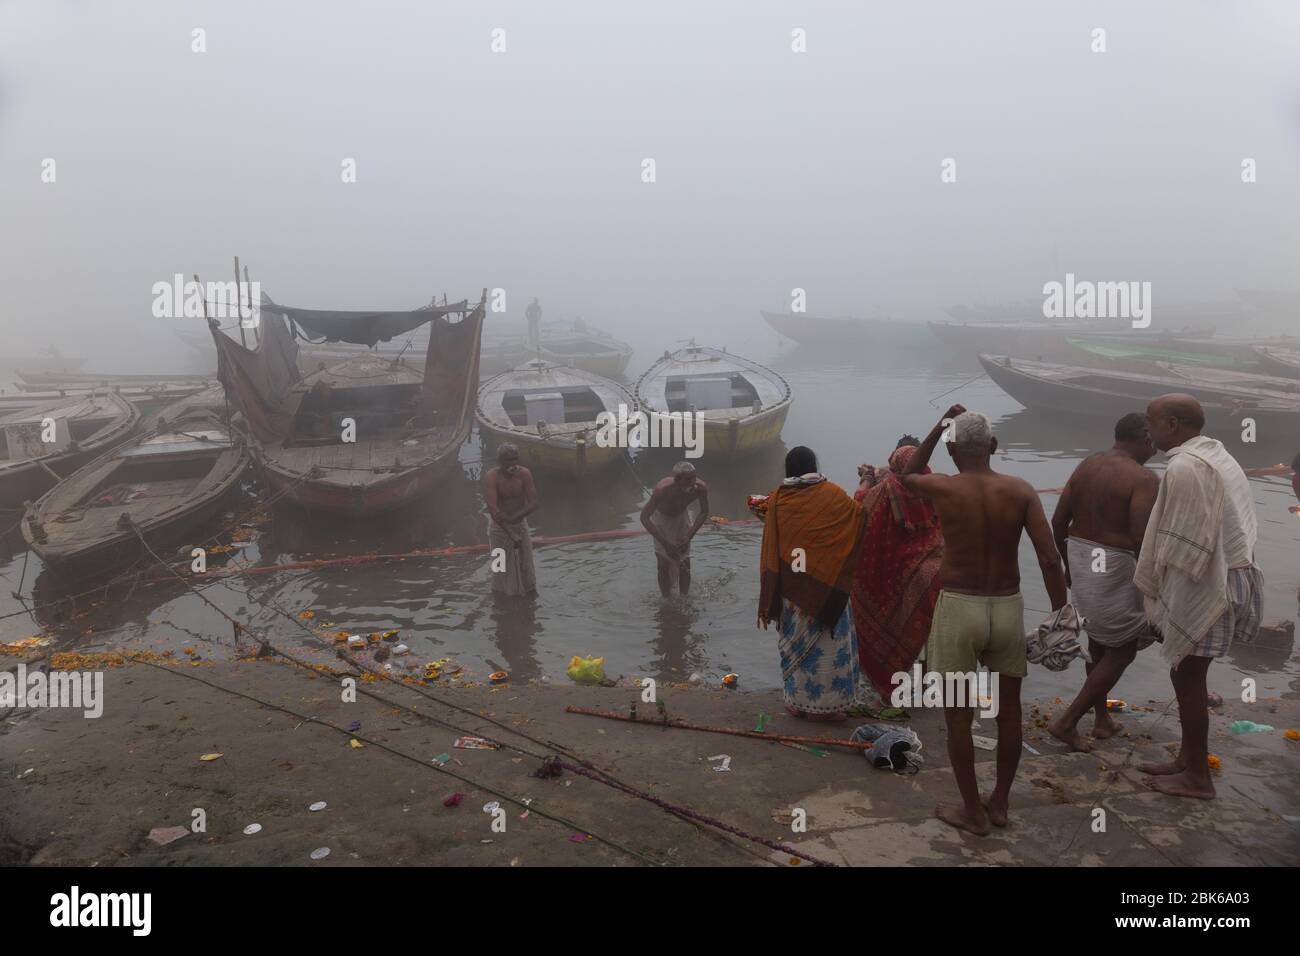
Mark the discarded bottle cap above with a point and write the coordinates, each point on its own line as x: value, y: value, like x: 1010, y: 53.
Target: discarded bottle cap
x: 499, y: 677
x: 731, y: 680
x: 318, y: 805
x: 320, y: 853
x: 252, y: 828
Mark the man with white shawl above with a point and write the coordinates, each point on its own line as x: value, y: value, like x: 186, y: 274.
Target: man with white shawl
x: 1197, y: 572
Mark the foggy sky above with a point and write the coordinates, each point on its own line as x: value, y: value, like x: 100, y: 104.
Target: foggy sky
x: 522, y: 169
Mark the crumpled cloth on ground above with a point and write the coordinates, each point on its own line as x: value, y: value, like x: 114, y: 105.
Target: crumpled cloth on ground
x: 1058, y: 640
x: 896, y: 748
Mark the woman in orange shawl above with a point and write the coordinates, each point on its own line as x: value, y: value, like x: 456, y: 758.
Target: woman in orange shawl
x: 810, y: 543
x: 896, y: 580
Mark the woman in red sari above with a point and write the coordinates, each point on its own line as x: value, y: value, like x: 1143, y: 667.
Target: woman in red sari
x: 896, y: 581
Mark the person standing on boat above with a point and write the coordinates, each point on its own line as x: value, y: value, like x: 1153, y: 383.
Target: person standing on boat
x: 534, y: 316
x: 979, y: 617
x: 667, y: 517
x: 511, y: 497
x: 1099, y: 522
x: 1197, y: 570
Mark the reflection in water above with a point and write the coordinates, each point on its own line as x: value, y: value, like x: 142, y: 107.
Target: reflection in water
x: 599, y: 597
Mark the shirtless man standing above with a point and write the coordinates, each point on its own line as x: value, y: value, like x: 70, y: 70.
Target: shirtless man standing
x: 1098, y: 524
x: 979, y: 618
x: 667, y: 519
x: 511, y: 497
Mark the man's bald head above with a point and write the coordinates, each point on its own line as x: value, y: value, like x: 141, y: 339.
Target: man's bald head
x: 1174, y: 418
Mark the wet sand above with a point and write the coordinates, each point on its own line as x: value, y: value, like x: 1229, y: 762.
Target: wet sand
x: 97, y: 787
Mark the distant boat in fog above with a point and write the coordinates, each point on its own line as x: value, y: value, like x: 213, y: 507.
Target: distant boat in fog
x: 824, y: 332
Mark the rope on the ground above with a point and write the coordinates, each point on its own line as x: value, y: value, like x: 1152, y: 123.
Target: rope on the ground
x: 267, y: 647
x: 689, y: 814
x: 470, y: 781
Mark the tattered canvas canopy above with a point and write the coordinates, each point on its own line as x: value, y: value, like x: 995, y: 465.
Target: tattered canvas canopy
x: 359, y: 328
x: 259, y: 381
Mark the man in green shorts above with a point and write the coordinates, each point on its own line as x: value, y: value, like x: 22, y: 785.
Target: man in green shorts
x: 979, y: 618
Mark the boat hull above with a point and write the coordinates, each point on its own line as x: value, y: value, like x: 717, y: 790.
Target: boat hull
x: 356, y: 500
x: 575, y: 459
x: 161, y: 536
x: 1275, y: 365
x: 1115, y: 397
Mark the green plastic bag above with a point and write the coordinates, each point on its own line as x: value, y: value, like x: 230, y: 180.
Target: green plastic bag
x: 586, y: 670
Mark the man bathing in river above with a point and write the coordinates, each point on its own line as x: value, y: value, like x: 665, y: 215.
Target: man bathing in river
x: 668, y: 520
x: 511, y: 497
x: 1197, y: 571
x: 979, y: 617
x: 1099, y: 523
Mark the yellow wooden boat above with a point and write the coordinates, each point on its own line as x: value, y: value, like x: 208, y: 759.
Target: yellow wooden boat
x: 743, y: 404
x: 550, y: 413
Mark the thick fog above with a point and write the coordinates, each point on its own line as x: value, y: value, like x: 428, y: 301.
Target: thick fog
x: 522, y: 169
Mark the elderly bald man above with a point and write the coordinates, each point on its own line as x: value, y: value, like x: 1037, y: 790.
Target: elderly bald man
x: 667, y: 518
x: 1197, y: 573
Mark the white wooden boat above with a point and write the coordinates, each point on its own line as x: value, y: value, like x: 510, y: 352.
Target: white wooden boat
x: 743, y: 404
x: 550, y: 412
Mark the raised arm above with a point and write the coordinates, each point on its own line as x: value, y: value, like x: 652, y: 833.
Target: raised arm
x: 921, y: 460
x: 1040, y: 534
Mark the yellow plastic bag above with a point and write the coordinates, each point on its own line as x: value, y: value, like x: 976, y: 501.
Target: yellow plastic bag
x: 586, y: 670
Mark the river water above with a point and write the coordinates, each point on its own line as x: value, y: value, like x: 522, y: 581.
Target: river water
x: 600, y: 598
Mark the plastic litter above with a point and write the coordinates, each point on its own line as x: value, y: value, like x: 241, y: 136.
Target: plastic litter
x: 492, y: 807
x: 164, y: 835
x: 1249, y: 727
x: 453, y: 800
x: 211, y: 757
x: 893, y: 748
x: 317, y: 806
x: 320, y: 853
x: 984, y: 743
x: 725, y: 766
x: 473, y: 743
x: 586, y: 670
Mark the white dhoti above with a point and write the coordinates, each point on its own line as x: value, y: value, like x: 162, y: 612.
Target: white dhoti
x: 518, y: 576
x: 676, y: 529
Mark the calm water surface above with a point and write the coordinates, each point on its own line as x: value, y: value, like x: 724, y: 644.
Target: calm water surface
x: 601, y: 598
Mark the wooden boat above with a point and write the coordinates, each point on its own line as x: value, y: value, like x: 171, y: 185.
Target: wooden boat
x: 82, y: 426
x: 176, y: 475
x: 33, y: 381
x: 48, y: 359
x: 145, y: 398
x: 1072, y: 390
x: 369, y: 434
x: 585, y: 349
x: 743, y: 404
x: 821, y: 332
x: 550, y: 413
x: 1137, y: 349
x: 1280, y: 361
x: 1019, y: 338
x: 1227, y: 376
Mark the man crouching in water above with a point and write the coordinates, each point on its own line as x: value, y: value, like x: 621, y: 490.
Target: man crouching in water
x: 667, y: 519
x: 979, y: 618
